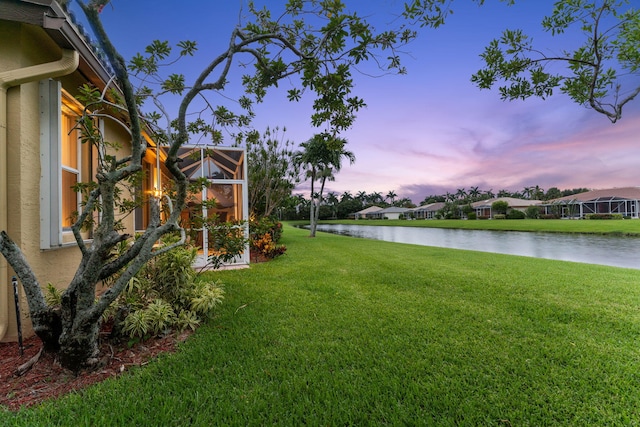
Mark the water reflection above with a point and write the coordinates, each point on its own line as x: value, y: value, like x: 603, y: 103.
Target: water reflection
x: 591, y: 249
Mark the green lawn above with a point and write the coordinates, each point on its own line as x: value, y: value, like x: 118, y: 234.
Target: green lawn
x: 343, y: 331
x: 629, y: 227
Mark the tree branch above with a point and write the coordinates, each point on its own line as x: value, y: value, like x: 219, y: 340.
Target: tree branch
x: 14, y: 256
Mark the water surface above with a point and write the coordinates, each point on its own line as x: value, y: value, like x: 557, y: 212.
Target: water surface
x: 616, y: 251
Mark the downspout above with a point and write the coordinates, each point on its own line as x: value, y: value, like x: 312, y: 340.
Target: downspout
x: 65, y: 65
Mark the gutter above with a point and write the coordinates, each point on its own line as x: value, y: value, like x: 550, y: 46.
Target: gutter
x: 67, y: 64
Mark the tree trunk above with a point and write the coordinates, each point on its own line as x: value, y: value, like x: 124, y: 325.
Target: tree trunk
x: 47, y: 325
x: 79, y: 347
x: 312, y: 213
x: 316, y: 214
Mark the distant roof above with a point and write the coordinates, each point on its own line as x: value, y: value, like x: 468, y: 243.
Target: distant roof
x: 393, y: 209
x: 512, y: 201
x: 604, y: 194
x: 430, y: 207
x: 370, y: 209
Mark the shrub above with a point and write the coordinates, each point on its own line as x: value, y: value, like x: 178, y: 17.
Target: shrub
x: 500, y: 207
x: 550, y: 216
x: 515, y: 214
x: 265, y: 245
x: 264, y: 234
x: 165, y: 294
x: 471, y: 215
x: 532, y: 212
x: 499, y: 216
x: 227, y: 241
x: 483, y: 217
x: 604, y: 216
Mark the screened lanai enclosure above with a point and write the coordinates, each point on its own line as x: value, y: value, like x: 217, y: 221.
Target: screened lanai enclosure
x: 574, y: 208
x: 223, y: 197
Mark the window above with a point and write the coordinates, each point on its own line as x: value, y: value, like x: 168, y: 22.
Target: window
x: 145, y: 188
x: 64, y: 161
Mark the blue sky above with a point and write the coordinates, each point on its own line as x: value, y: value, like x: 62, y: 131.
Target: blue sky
x: 429, y: 131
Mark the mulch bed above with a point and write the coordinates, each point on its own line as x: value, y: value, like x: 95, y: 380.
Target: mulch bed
x: 46, y: 379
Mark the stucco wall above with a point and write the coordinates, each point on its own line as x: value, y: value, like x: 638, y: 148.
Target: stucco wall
x: 23, y: 46
x: 27, y: 47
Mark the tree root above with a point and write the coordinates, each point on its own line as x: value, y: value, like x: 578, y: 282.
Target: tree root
x: 22, y: 369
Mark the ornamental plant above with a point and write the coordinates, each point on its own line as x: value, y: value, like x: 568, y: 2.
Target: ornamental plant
x: 264, y: 234
x: 167, y: 294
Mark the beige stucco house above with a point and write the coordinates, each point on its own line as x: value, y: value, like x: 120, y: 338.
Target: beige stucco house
x: 363, y: 213
x: 624, y: 201
x: 391, y: 212
x: 483, y: 207
x: 44, y: 59
x: 428, y: 211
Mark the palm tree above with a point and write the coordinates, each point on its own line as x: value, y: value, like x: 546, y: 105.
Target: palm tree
x: 332, y: 200
x: 376, y: 198
x: 461, y: 194
x: 405, y: 202
x: 346, y: 196
x: 449, y: 197
x: 320, y: 157
x: 474, y: 193
x: 537, y: 193
x: 391, y: 195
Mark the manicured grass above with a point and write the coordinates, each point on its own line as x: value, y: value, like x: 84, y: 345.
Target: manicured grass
x: 343, y: 331
x: 628, y: 227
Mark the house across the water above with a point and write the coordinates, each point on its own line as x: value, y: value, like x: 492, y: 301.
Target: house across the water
x: 623, y: 201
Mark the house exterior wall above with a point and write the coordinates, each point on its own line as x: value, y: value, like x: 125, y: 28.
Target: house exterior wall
x: 24, y: 45
x: 23, y: 167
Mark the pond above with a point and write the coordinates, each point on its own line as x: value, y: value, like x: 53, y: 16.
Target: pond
x: 613, y: 251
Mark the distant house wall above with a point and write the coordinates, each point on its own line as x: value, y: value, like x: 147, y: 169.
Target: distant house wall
x: 429, y: 211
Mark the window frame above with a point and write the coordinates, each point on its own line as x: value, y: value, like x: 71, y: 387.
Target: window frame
x: 54, y: 102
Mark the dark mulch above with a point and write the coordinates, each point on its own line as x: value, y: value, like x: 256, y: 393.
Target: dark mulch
x: 47, y: 379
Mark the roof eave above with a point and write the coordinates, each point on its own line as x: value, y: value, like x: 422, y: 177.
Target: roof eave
x: 51, y: 17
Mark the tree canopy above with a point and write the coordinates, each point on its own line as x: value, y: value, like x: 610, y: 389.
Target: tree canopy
x: 602, y: 73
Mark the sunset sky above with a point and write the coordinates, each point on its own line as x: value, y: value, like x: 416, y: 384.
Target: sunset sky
x: 430, y: 131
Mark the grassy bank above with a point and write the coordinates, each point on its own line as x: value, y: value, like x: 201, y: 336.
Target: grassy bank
x: 628, y: 227
x: 343, y: 331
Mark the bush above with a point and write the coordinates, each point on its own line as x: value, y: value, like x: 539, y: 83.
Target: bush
x: 515, y: 214
x: 226, y: 241
x: 550, y: 216
x: 483, y: 217
x: 500, y: 207
x: 264, y: 234
x: 604, y: 216
x: 499, y: 216
x: 532, y: 212
x: 165, y: 294
x: 471, y: 215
